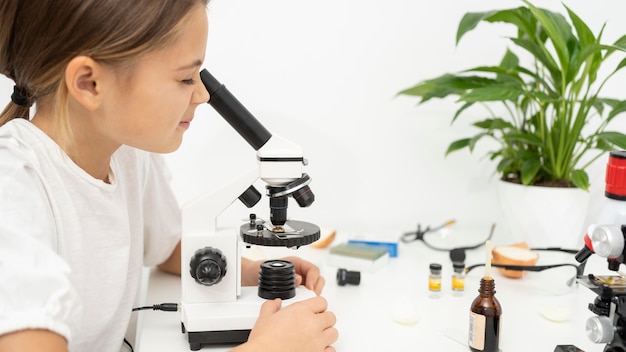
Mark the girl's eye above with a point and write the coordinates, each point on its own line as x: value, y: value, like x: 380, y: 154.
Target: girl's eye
x: 188, y: 81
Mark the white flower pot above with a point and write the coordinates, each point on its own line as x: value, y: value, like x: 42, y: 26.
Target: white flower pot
x: 544, y: 216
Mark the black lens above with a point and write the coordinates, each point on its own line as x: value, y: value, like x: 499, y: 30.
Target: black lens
x: 304, y: 196
x: 278, y: 210
x: 348, y: 277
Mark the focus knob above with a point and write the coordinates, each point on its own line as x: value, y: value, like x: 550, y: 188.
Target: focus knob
x: 607, y: 240
x: 599, y: 329
x: 208, y: 266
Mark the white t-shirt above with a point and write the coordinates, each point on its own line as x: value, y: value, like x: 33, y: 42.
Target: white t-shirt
x: 72, y: 247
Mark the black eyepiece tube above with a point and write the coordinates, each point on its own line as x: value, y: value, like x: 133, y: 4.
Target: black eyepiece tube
x: 234, y: 112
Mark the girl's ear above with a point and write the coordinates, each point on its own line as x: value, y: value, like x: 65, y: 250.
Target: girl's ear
x: 83, y: 77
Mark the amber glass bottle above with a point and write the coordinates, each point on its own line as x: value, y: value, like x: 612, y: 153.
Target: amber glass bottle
x: 484, y: 325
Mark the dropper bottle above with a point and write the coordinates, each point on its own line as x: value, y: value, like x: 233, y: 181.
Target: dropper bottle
x: 485, y: 313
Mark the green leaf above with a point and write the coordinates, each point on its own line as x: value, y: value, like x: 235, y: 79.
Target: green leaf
x: 620, y: 65
x: 539, y: 52
x: 494, y: 124
x: 580, y: 179
x: 469, y: 22
x: 474, y: 140
x: 590, y: 53
x: 494, y: 92
x: 529, y: 170
x: 505, y: 165
x: 530, y: 139
x: 510, y: 60
x: 601, y: 144
x: 458, y: 144
x: 521, y: 18
x: 585, y: 35
x: 621, y: 41
x: 445, y: 85
x: 615, y: 138
x: 558, y: 30
x: 460, y: 110
x: 617, y: 109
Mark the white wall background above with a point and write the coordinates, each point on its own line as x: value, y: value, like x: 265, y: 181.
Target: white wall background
x: 325, y: 74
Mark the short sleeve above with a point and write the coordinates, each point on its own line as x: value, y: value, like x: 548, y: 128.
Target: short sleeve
x: 35, y: 286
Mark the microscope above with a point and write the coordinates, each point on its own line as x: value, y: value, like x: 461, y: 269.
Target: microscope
x: 607, y: 238
x: 215, y: 308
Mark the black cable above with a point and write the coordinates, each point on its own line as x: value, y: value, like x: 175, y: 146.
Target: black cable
x: 166, y: 307
x: 129, y: 345
x: 558, y: 249
x: 579, y: 268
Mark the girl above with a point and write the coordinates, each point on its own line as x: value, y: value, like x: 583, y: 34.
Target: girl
x: 84, y: 200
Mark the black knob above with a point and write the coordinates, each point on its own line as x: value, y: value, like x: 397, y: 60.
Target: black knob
x: 583, y: 254
x: 208, y: 266
x: 613, y: 264
x: 252, y: 219
x: 250, y: 197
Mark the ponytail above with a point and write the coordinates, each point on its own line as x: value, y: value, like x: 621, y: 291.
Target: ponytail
x: 8, y: 11
x: 12, y: 111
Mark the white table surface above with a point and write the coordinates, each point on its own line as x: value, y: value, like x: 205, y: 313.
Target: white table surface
x: 365, y: 312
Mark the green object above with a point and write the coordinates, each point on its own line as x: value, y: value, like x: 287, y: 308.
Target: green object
x: 547, y: 98
x: 362, y: 251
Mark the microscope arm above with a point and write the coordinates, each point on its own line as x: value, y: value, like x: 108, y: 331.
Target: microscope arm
x: 203, y: 212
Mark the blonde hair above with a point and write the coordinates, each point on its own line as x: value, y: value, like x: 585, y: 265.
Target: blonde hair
x: 39, y: 38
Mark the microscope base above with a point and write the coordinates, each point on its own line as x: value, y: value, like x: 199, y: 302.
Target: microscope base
x: 227, y: 322
x: 228, y: 337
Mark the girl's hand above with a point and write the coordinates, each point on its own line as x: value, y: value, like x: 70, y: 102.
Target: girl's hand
x: 307, y: 273
x: 304, y: 326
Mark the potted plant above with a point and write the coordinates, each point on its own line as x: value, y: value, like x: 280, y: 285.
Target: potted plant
x: 552, y: 122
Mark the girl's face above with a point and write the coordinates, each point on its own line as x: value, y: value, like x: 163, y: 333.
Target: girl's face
x: 155, y: 105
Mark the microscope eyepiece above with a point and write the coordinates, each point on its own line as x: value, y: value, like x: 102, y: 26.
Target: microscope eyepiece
x: 242, y: 120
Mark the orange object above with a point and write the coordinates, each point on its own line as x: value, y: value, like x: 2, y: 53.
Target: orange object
x: 325, y: 241
x: 515, y: 254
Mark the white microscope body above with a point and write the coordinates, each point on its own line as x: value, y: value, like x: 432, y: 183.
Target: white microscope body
x: 216, y: 309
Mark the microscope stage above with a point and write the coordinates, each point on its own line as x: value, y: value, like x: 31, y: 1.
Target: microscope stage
x: 294, y: 234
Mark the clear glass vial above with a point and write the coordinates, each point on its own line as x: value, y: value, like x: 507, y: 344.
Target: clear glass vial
x: 434, y: 279
x: 458, y: 278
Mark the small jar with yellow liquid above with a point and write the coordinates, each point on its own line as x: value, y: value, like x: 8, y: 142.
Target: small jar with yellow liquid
x: 434, y: 280
x: 458, y: 278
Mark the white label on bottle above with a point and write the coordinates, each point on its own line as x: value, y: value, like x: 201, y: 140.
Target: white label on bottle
x: 477, y: 324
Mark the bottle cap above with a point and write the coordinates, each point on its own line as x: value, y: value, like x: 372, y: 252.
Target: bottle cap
x: 615, y: 180
x: 435, y: 267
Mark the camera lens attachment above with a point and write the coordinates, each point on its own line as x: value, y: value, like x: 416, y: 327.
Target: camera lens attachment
x: 277, y: 279
x: 348, y: 277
